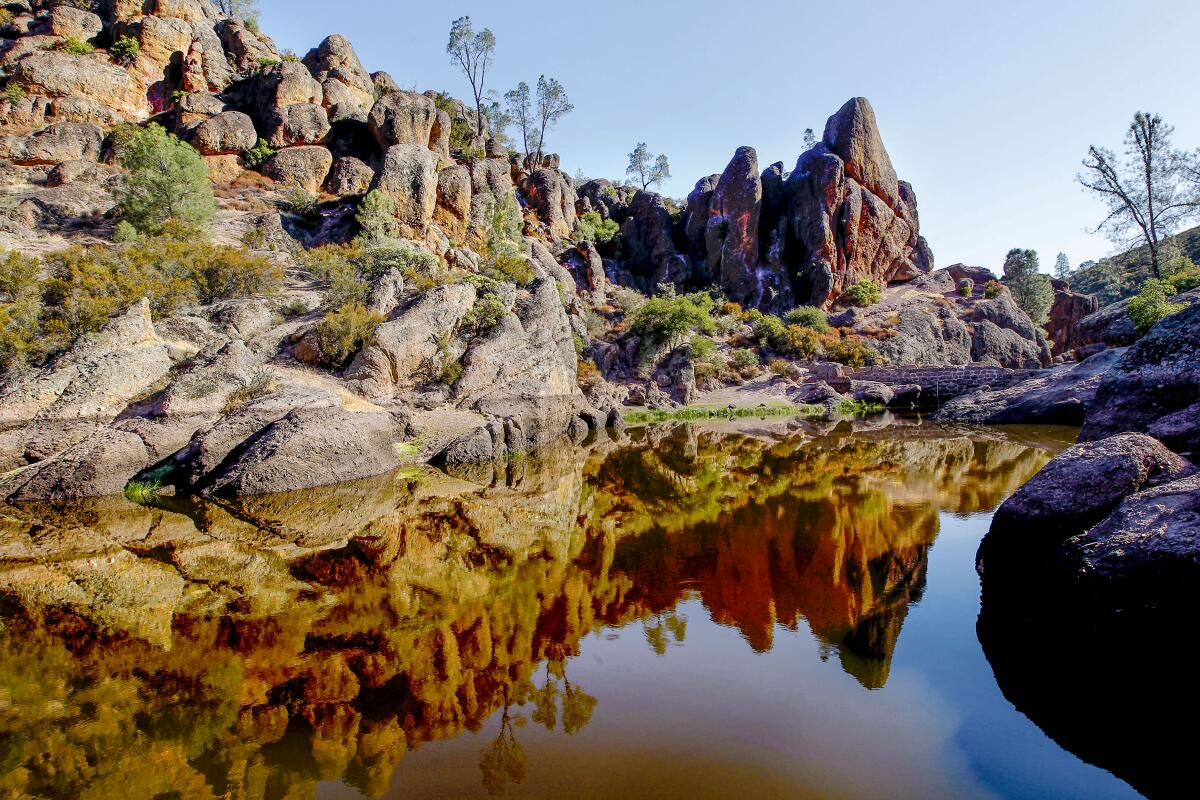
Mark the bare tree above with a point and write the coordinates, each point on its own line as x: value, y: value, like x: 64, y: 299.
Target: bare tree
x: 520, y: 111
x: 473, y: 53
x: 1147, y: 195
x: 552, y: 105
x: 647, y: 169
x: 239, y: 9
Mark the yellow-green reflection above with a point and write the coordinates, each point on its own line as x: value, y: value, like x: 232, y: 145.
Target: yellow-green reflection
x: 253, y: 649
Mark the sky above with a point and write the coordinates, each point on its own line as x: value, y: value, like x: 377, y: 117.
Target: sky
x: 987, y: 107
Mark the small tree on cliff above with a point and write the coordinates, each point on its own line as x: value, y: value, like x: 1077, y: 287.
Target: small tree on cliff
x: 245, y: 10
x: 552, y: 105
x: 473, y: 53
x: 1062, y: 267
x: 645, y: 168
x: 810, y: 139
x: 520, y: 111
x: 1149, y: 193
x: 167, y: 180
x: 1031, y: 290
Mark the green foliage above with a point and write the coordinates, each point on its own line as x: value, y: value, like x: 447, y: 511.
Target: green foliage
x: 592, y: 228
x: 461, y: 132
x: 1031, y: 290
x: 808, y: 317
x: 302, y: 202
x: 125, y: 49
x: 265, y: 64
x: 124, y: 232
x: 1186, y: 280
x: 992, y: 289
x: 178, y: 96
x: 966, y: 287
x: 142, y: 492
x: 668, y: 319
x: 347, y: 269
x: 342, y: 333
x: 768, y: 330
x: 14, y: 93
x: 258, y: 155
x: 800, y: 342
x: 744, y: 361
x: 167, y: 180
x: 73, y: 46
x: 863, y: 293
x: 851, y: 351
x: 1151, y: 305
x: 486, y: 313
x: 506, y: 228
x: 376, y: 215
x: 516, y: 269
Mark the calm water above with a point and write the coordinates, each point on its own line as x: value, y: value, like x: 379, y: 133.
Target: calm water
x: 780, y: 610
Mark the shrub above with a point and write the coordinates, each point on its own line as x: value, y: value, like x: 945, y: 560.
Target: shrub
x: 14, y: 93
x: 863, y: 293
x: 1151, y: 305
x: 261, y: 384
x: 125, y: 49
x: 342, y: 333
x: 266, y: 63
x: 784, y: 369
x: 462, y: 133
x: 73, y: 46
x: 851, y: 351
x: 592, y: 228
x: 124, y: 232
x: 768, y: 330
x: 808, y: 317
x: 505, y: 235
x: 142, y: 492
x: 296, y: 308
x: 511, y: 268
x: 486, y: 313
x: 668, y: 319
x: 376, y: 215
x: 801, y: 342
x: 256, y: 156
x: 167, y: 180
x: 744, y: 361
x: 992, y: 289
x: 966, y: 287
x: 626, y: 299
x: 302, y: 202
x: 1185, y: 280
x: 704, y: 349
x: 178, y: 96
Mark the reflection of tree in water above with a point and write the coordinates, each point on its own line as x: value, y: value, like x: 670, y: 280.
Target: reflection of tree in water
x: 445, y: 607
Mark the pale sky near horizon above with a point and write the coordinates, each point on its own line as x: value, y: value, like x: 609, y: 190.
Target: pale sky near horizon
x: 987, y: 108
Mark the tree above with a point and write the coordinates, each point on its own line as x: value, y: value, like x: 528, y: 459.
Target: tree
x: 167, y: 180
x: 473, y: 53
x: 520, y: 111
x: 810, y: 139
x: 245, y: 10
x: 1148, y: 195
x: 645, y: 168
x: 552, y: 105
x: 1062, y: 267
x: 499, y: 119
x: 1031, y: 290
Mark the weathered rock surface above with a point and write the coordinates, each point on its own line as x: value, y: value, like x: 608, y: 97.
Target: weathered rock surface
x: 226, y: 133
x: 61, y: 141
x: 1154, y: 388
x: 1068, y: 310
x: 409, y: 177
x: 349, y: 176
x: 306, y: 167
x: 55, y: 74
x: 1112, y: 326
x: 1058, y: 397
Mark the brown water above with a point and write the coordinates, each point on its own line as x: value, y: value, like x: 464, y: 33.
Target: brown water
x: 771, y: 610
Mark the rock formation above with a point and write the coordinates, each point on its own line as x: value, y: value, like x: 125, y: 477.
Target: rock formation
x: 1068, y: 310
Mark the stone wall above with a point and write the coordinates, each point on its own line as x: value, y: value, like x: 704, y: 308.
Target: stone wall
x: 939, y: 384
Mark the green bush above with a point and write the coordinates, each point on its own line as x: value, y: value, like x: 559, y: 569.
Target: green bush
x: 258, y: 155
x: 992, y: 289
x: 125, y: 49
x: 851, y: 351
x: 167, y: 180
x: 801, y: 342
x: 124, y: 232
x: 863, y: 293
x: 511, y: 268
x: 744, y: 361
x: 966, y: 287
x: 14, y: 93
x: 808, y: 317
x: 342, y: 333
x: 768, y: 330
x: 668, y: 319
x: 266, y: 63
x: 302, y: 202
x: 505, y: 235
x: 1185, y: 280
x: 1151, y: 305
x: 376, y: 215
x: 592, y: 228
x: 486, y: 313
x: 73, y: 46
x: 462, y: 133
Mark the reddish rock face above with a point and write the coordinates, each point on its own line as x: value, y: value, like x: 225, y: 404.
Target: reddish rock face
x: 1068, y: 309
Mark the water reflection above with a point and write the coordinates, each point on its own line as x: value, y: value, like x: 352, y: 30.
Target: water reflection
x: 256, y: 648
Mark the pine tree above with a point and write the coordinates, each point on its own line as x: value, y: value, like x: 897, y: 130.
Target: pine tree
x: 1031, y: 289
x: 167, y: 180
x: 1062, y: 267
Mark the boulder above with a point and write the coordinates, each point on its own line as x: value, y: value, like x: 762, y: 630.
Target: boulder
x: 227, y: 133
x: 552, y: 198
x: 1154, y: 388
x: 196, y: 11
x: 74, y: 23
x: 409, y: 177
x: 454, y: 199
x: 1112, y: 326
x: 348, y: 88
x: 312, y: 447
x: 205, y: 67
x: 225, y: 169
x: 297, y: 124
x: 55, y: 74
x: 1057, y: 397
x: 162, y: 41
x: 285, y: 84
x: 1068, y: 310
x: 305, y: 167
x: 871, y: 392
x: 403, y: 118
x: 61, y: 141
x: 647, y: 237
x: 102, y: 464
x: 349, y: 177
x: 245, y: 48
x: 1078, y: 488
x: 731, y: 232
x: 195, y: 107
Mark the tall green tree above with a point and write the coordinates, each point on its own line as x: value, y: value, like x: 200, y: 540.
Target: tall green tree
x: 167, y: 180
x: 645, y: 168
x: 473, y: 53
x: 1148, y: 193
x: 520, y: 111
x: 1031, y: 289
x: 552, y: 106
x: 1062, y: 267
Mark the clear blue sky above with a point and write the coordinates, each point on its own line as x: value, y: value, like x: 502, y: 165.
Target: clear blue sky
x: 986, y: 107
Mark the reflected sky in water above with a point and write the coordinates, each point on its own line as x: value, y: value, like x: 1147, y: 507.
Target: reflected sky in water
x: 781, y: 610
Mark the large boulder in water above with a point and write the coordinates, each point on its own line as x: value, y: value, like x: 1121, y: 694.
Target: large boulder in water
x: 1155, y: 387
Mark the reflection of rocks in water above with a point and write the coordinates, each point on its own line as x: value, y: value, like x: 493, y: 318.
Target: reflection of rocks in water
x: 260, y: 646
x: 1115, y: 693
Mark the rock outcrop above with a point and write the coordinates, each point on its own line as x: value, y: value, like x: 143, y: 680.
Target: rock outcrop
x: 1068, y: 310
